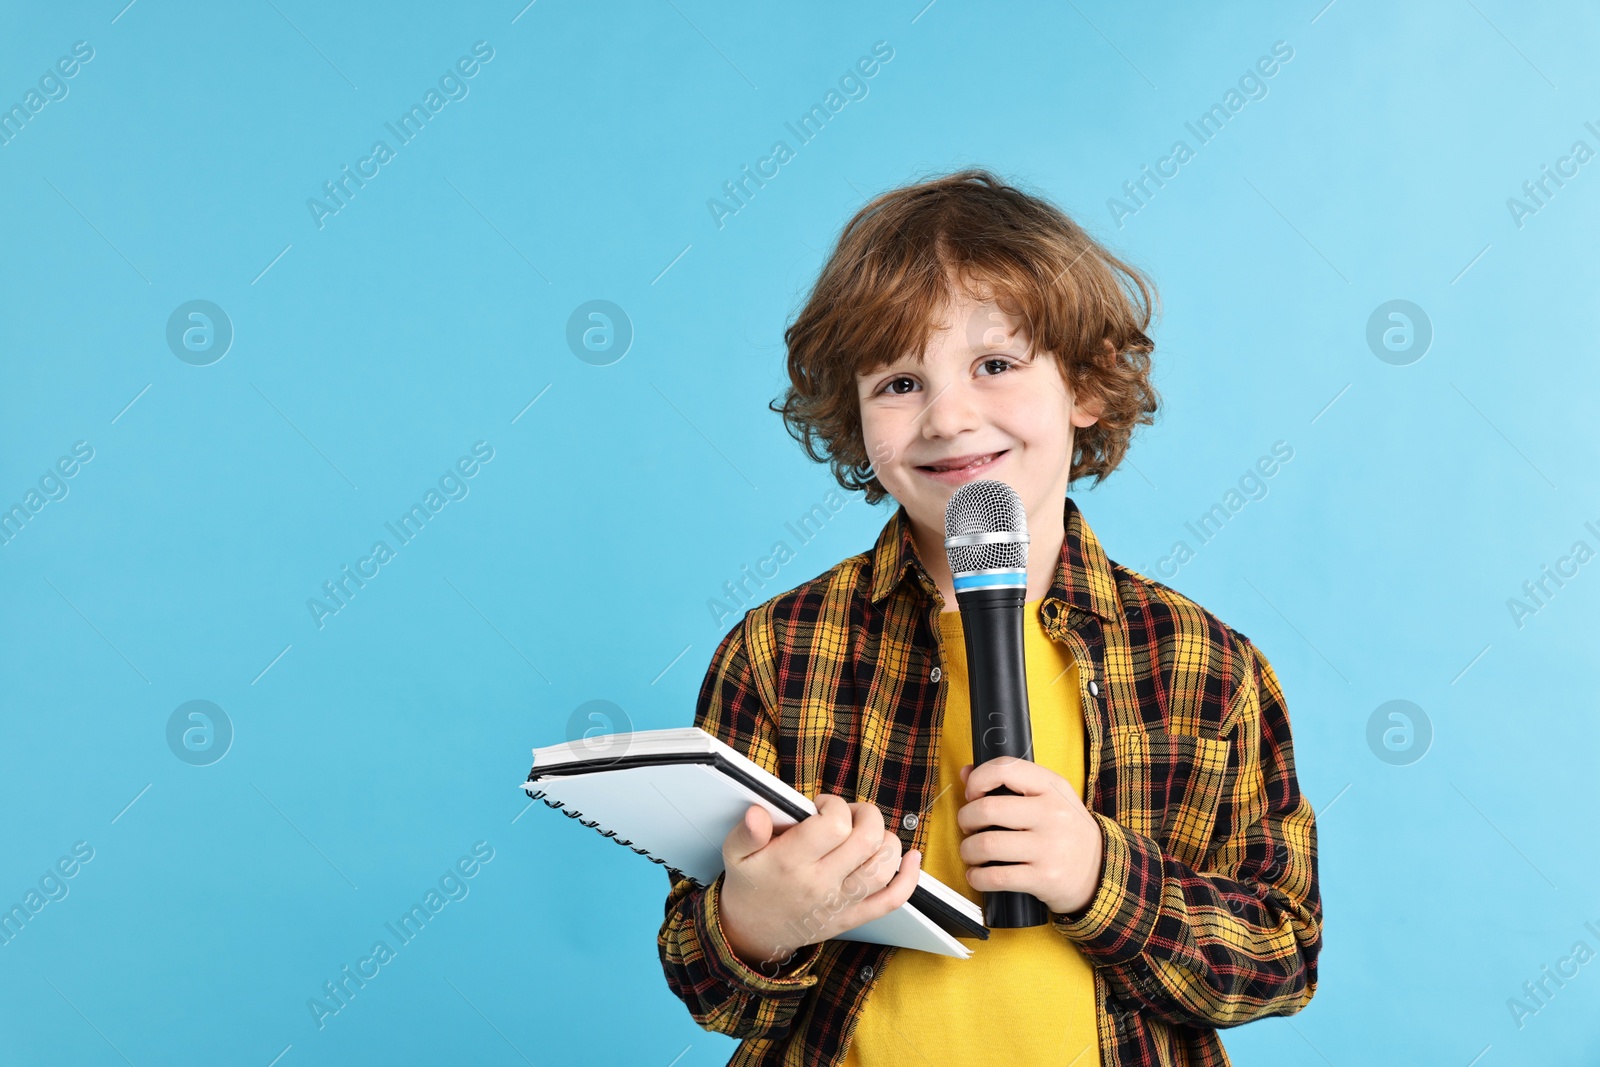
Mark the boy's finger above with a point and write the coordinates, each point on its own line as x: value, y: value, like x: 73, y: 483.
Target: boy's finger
x: 819, y: 834
x: 867, y: 835
x: 897, y: 892
x: 749, y: 834
x: 1018, y: 775
x: 999, y: 813
x: 876, y: 871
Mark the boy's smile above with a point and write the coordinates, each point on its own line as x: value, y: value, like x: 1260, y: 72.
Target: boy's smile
x: 963, y: 468
x: 977, y: 405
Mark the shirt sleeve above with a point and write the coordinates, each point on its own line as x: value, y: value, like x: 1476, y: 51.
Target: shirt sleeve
x: 1239, y: 940
x: 723, y: 993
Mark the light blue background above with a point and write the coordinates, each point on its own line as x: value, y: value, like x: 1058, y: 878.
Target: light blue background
x: 428, y: 314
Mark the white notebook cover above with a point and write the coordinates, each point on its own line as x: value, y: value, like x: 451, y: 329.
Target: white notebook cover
x: 680, y: 813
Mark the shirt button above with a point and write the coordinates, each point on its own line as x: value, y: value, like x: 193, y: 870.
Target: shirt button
x: 935, y: 674
x: 910, y: 821
x: 1094, y: 688
x: 866, y: 973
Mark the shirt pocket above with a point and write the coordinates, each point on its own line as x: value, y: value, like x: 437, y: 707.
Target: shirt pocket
x: 1169, y: 787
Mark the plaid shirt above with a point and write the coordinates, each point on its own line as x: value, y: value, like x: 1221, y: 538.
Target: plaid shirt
x: 1208, y: 913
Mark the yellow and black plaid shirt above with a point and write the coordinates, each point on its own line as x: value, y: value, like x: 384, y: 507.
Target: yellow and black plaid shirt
x: 1208, y: 913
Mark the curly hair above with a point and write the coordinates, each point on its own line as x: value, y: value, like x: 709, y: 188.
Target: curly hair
x: 882, y: 291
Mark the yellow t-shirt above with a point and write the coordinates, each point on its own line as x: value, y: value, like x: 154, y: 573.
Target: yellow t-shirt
x: 1024, y: 996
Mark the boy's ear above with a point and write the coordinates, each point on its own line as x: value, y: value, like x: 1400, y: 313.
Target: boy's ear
x: 1086, y: 406
x: 1086, y: 410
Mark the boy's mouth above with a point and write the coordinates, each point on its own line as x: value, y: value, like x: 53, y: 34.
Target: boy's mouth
x: 958, y: 469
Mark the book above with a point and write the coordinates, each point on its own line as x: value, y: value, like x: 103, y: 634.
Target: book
x: 673, y: 795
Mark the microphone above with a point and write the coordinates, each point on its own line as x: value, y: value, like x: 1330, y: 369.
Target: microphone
x: 986, y: 539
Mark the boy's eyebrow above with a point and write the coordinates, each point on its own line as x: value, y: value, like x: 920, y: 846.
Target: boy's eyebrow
x: 1017, y: 338
x: 889, y: 366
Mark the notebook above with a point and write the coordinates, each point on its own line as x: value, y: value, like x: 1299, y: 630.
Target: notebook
x: 673, y: 795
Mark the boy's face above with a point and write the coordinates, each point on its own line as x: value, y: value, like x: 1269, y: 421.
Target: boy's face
x: 976, y: 394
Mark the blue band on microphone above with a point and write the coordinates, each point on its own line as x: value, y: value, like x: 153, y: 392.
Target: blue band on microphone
x: 997, y: 579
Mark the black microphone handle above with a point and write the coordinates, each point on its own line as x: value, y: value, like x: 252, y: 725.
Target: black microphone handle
x: 997, y: 684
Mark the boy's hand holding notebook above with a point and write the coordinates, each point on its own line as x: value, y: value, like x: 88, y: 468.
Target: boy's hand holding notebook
x: 676, y: 795
x: 787, y: 888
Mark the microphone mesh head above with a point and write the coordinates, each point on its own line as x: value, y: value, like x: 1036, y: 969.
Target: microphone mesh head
x: 986, y: 506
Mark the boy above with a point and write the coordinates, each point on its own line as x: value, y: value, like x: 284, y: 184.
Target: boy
x: 963, y: 329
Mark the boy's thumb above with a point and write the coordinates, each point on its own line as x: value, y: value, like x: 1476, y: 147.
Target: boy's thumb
x: 753, y: 831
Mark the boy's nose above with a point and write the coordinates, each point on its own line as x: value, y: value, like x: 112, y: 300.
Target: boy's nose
x: 949, y: 412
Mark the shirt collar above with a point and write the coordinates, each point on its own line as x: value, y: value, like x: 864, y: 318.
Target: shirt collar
x: 1083, y: 578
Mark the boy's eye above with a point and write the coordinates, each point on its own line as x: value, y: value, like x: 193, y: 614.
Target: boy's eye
x: 889, y: 387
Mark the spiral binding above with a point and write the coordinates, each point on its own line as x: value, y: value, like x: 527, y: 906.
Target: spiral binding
x: 593, y: 824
